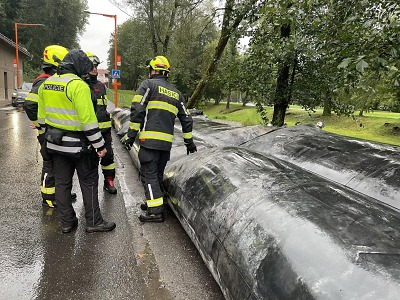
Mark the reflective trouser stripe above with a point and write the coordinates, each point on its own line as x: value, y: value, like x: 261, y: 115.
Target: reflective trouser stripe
x: 109, y: 167
x: 48, y: 190
x: 154, y: 202
x: 47, y: 187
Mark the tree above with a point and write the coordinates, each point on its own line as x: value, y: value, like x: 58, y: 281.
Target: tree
x: 64, y: 21
x: 317, y: 50
x: 184, y: 41
x: 234, y: 13
x: 9, y: 10
x: 133, y: 46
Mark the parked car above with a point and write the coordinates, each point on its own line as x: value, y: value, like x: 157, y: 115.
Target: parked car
x: 19, y: 95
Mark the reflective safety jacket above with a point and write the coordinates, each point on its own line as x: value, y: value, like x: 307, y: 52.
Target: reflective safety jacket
x: 31, y: 101
x: 154, y: 108
x: 99, y: 94
x: 65, y: 104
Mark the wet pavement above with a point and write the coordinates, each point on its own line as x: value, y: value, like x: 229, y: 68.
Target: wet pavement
x: 135, y: 261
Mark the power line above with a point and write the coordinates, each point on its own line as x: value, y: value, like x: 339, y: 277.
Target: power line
x: 117, y: 5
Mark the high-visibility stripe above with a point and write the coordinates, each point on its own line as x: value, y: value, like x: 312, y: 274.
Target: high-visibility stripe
x: 62, y: 114
x: 187, y: 112
x: 63, y: 148
x: 55, y: 121
x: 187, y: 135
x: 154, y: 202
x: 103, y: 125
x: 48, y: 190
x: 61, y: 111
x: 154, y: 135
x: 98, y: 144
x: 50, y: 203
x: 88, y: 127
x: 145, y: 96
x: 70, y: 139
x: 140, y: 98
x: 150, y: 191
x: 137, y: 98
x: 134, y: 126
x: 32, y: 97
x: 109, y: 167
x: 162, y: 105
x: 94, y: 137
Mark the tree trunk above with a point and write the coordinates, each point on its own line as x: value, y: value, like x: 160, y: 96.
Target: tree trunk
x: 278, y: 117
x: 153, y: 27
x: 228, y: 27
x: 228, y: 100
x: 327, y: 105
x: 245, y: 99
x: 171, y: 24
x: 282, y: 92
x: 212, y: 67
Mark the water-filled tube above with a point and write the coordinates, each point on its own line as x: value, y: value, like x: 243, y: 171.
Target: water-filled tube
x: 270, y: 228
x: 370, y: 168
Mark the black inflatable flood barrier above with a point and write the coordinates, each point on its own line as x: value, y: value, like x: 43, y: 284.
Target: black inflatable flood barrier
x: 370, y: 168
x: 269, y: 229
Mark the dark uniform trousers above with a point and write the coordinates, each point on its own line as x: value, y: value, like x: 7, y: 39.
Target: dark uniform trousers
x: 47, y: 181
x: 152, y: 166
x: 64, y: 167
x: 108, y: 159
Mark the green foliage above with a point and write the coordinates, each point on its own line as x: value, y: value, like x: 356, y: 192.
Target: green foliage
x: 340, y: 54
x: 63, y: 21
x: 9, y: 10
x: 134, y: 48
x: 192, y: 32
x: 337, y: 51
x: 378, y: 126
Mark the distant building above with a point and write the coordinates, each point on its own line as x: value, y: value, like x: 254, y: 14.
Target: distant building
x: 8, y: 75
x: 103, y: 76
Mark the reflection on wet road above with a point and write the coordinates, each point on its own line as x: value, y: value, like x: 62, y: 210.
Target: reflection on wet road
x: 134, y: 261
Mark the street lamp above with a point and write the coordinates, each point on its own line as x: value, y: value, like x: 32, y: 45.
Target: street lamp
x: 115, y: 82
x: 17, y: 47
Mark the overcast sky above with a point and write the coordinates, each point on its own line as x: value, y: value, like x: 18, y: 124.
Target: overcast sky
x: 98, y: 30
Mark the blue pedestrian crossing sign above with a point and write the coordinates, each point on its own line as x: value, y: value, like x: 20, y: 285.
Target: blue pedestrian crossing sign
x: 115, y: 73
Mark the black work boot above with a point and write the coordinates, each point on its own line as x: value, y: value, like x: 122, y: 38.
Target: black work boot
x: 102, y: 227
x: 68, y: 228
x: 143, y: 206
x: 109, y: 185
x: 155, y: 218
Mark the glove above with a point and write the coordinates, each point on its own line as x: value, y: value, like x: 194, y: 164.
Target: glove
x: 128, y: 141
x: 190, y: 146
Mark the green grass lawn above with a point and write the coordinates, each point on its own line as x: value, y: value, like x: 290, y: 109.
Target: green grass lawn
x: 378, y: 126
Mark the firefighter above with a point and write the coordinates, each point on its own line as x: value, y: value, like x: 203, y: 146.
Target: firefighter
x: 154, y: 108
x: 99, y: 98
x: 52, y: 55
x: 73, y: 139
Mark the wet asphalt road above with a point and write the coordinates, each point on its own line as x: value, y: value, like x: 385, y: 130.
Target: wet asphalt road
x: 135, y: 261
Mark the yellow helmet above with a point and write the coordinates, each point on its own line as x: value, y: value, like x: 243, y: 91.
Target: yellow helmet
x: 159, y: 63
x: 53, y: 55
x: 94, y: 58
